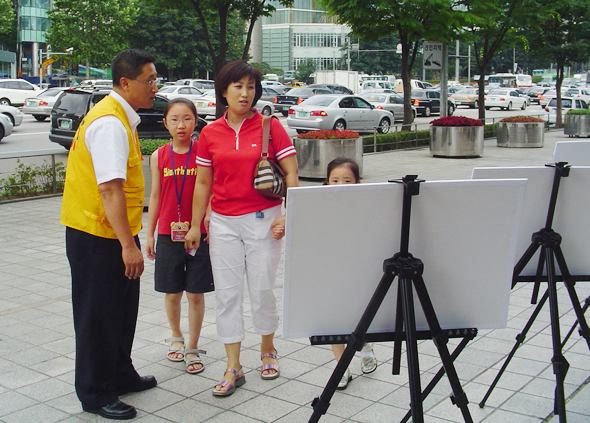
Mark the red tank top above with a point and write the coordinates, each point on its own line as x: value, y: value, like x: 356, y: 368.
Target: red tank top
x: 169, y: 177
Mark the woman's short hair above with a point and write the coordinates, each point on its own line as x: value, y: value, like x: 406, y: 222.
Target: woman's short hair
x: 233, y: 72
x: 129, y: 64
x: 181, y: 100
x: 343, y: 161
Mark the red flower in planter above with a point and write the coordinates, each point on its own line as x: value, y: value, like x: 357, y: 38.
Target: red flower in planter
x: 456, y: 121
x: 521, y: 119
x: 331, y: 134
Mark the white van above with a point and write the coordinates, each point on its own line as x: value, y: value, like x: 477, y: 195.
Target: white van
x: 374, y: 84
x: 13, y: 92
x: 414, y: 84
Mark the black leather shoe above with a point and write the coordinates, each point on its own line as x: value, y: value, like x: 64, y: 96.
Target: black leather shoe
x: 117, y: 411
x: 142, y: 384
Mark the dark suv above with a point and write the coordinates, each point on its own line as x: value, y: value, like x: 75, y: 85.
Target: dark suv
x: 70, y: 108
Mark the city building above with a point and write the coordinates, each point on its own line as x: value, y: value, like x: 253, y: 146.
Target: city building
x: 292, y: 35
x: 7, y: 63
x: 33, y: 23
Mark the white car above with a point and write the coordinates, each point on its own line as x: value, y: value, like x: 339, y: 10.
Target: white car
x: 41, y: 105
x: 206, y: 106
x: 180, y: 91
x: 13, y: 92
x: 546, y: 97
x: 504, y: 98
x: 5, y: 126
x: 14, y: 114
x: 581, y: 93
x: 567, y: 103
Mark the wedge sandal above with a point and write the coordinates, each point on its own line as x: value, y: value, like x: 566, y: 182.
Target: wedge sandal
x: 231, y: 387
x: 264, y: 367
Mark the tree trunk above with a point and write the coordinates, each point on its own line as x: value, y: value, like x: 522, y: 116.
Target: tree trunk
x: 408, y: 113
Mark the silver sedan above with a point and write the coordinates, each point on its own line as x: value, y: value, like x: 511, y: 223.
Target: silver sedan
x: 40, y: 106
x: 331, y: 111
x: 206, y: 105
x: 391, y: 102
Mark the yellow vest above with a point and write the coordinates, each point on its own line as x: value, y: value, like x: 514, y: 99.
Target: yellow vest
x: 82, y: 206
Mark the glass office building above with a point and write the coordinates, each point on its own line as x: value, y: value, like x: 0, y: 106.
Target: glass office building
x: 292, y: 35
x: 32, y: 25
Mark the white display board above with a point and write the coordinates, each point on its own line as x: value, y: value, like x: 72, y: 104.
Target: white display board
x: 338, y: 237
x: 576, y: 153
x: 571, y: 212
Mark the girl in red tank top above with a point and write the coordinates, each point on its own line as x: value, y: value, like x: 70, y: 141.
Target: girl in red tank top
x: 174, y: 172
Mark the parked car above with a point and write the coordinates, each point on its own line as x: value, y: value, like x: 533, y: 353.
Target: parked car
x: 504, y: 98
x: 535, y: 93
x: 201, y: 84
x: 180, y: 91
x: 393, y: 103
x: 580, y: 93
x: 269, y: 94
x: 207, y: 105
x: 5, y: 126
x: 467, y: 97
x: 427, y: 102
x: 92, y: 84
x: 296, y: 96
x: 567, y: 103
x: 332, y: 111
x: 13, y: 92
x: 548, y: 95
x: 41, y: 105
x: 72, y: 106
x: 335, y: 88
x: 14, y: 114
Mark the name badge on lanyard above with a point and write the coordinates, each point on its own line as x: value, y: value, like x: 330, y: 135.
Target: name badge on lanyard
x: 178, y: 230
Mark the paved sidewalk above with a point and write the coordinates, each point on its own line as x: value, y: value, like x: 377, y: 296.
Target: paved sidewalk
x: 37, y: 339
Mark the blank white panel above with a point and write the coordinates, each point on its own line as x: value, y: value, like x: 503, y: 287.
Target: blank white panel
x: 339, y: 236
x: 571, y: 212
x: 576, y: 153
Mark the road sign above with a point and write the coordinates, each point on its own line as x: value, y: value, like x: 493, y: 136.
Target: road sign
x: 432, y: 55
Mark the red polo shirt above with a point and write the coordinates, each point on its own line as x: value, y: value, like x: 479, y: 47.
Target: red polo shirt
x: 234, y: 156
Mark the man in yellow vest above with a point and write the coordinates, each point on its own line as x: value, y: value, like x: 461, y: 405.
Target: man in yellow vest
x: 102, y: 210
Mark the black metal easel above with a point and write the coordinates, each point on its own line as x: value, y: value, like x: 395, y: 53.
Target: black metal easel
x: 551, y: 252
x: 409, y: 270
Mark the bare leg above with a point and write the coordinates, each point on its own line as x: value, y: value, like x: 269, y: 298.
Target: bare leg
x: 233, y: 362
x: 196, y: 313
x: 172, y: 305
x: 267, y: 346
x: 338, y: 350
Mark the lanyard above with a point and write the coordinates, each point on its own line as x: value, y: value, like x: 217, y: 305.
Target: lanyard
x: 179, y: 194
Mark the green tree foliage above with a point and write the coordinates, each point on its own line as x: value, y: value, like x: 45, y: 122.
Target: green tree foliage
x: 304, y: 71
x: 96, y: 29
x: 497, y: 24
x: 378, y: 58
x: 219, y: 11
x: 7, y: 21
x: 564, y: 38
x: 411, y: 20
x: 175, y: 37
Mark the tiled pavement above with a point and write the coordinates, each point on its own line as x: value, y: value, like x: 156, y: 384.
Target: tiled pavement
x: 37, y: 339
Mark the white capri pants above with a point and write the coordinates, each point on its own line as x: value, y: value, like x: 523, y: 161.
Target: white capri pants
x: 243, y: 245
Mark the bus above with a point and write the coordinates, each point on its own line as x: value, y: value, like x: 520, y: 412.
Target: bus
x: 511, y: 80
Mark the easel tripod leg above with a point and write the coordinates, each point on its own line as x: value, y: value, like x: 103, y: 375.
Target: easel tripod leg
x: 440, y: 340
x: 520, y: 338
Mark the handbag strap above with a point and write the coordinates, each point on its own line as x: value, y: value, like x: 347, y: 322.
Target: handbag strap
x: 265, y: 135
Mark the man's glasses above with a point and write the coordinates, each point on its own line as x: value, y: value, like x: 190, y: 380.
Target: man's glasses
x: 174, y: 121
x: 151, y: 82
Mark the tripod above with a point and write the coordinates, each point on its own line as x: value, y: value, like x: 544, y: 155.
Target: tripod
x: 409, y: 270
x: 550, y: 254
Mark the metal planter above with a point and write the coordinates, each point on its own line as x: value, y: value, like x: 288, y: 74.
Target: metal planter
x: 456, y: 141
x: 313, y: 156
x: 576, y: 125
x: 521, y: 134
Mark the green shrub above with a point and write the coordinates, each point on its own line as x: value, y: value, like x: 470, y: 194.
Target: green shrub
x: 578, y: 112
x: 29, y: 181
x: 148, y: 146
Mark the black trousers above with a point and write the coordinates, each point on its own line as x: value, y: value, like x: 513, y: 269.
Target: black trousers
x: 105, y: 305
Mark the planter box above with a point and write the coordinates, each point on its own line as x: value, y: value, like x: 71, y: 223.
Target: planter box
x: 313, y: 156
x: 456, y: 141
x: 521, y: 134
x: 576, y: 125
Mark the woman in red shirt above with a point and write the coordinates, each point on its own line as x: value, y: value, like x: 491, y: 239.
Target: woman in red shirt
x: 241, y: 236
